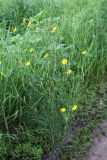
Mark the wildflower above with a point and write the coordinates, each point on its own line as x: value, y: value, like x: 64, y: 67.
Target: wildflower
x: 46, y: 55
x: 91, y: 20
x: 28, y: 63
x: 14, y: 30
x: 63, y: 109
x: 84, y: 52
x: 54, y: 28
x: 64, y: 61
x: 29, y: 24
x: 69, y: 71
x: 31, y: 50
x: 74, y: 108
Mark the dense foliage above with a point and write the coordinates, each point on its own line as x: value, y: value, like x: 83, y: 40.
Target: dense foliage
x: 51, y: 53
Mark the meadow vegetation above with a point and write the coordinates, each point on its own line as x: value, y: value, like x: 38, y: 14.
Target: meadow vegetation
x: 53, y: 62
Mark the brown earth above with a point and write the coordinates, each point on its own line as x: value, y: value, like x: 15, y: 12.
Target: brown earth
x: 99, y: 148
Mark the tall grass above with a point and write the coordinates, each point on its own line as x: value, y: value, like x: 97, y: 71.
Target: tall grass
x: 31, y: 95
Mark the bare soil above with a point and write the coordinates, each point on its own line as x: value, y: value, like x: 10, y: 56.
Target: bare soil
x: 99, y: 148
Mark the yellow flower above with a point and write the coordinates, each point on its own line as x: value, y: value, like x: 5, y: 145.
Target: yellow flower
x: 64, y: 61
x: 28, y: 63
x: 69, y: 71
x: 91, y: 20
x: 14, y: 30
x: 54, y: 28
x: 84, y: 52
x: 31, y: 50
x: 46, y: 55
x: 74, y: 108
x: 63, y: 109
x: 29, y: 24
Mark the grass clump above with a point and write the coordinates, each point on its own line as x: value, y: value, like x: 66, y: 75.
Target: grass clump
x: 51, y: 53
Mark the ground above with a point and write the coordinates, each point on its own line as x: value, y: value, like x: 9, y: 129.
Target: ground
x: 98, y: 150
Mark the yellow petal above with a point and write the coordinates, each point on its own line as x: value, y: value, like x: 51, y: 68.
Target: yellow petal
x: 46, y: 55
x: 29, y: 24
x: 74, y: 108
x: 31, y: 50
x: 28, y: 63
x: 54, y: 28
x: 63, y: 109
x: 69, y: 71
x: 14, y: 30
x: 84, y: 52
x: 64, y: 61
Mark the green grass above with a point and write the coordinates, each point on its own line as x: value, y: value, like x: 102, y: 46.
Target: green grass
x: 85, y: 122
x: 31, y: 96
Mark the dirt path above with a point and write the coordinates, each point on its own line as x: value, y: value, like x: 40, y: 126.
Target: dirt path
x: 99, y: 149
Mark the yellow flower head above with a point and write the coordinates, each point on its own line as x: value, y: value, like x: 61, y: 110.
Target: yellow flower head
x: 74, y: 108
x: 84, y: 52
x: 28, y: 63
x: 91, y: 20
x: 54, y: 28
x: 29, y: 24
x: 63, y: 109
x: 64, y: 61
x: 31, y: 50
x: 14, y: 30
x: 69, y: 71
x: 46, y: 55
